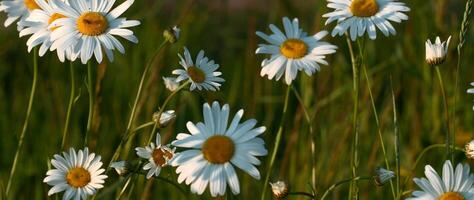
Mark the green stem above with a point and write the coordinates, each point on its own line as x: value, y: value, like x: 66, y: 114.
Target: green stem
x: 90, y: 89
x: 449, y: 154
x: 277, y: 143
x: 311, y: 134
x: 27, y: 119
x: 301, y: 194
x: 326, y: 193
x: 71, y: 102
x: 377, y: 122
x: 397, y: 137
x: 143, y: 126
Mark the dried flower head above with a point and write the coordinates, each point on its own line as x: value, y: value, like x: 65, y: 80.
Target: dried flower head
x: 279, y: 189
x: 172, y: 34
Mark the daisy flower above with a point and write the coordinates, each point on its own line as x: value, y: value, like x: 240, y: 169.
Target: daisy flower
x: 436, y: 53
x: 202, y: 73
x: 292, y: 51
x: 469, y: 149
x: 360, y: 16
x: 454, y: 185
x: 471, y: 91
x: 215, y: 147
x: 90, y: 27
x: 17, y: 10
x: 38, y: 26
x: 157, y: 155
x: 170, y: 83
x: 77, y: 173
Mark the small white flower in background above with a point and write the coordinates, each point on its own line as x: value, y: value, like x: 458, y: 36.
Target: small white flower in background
x: 121, y: 167
x: 17, y: 10
x: 360, y: 16
x: 469, y: 149
x: 158, y: 156
x: 77, y: 173
x: 436, y: 52
x: 215, y: 147
x: 292, y: 52
x: 171, y: 84
x: 382, y: 176
x: 91, y: 27
x: 202, y: 73
x: 471, y: 91
x: 172, y: 34
x: 279, y: 189
x: 166, y: 117
x: 38, y: 26
x: 452, y: 185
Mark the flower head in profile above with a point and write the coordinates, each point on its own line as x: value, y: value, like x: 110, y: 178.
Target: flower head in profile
x: 279, y: 189
x: 17, y: 10
x: 158, y: 156
x: 382, y: 176
x: 452, y: 185
x: 202, y: 73
x: 77, y: 173
x: 361, y: 16
x: 165, y: 118
x: 292, y: 51
x: 469, y: 149
x: 121, y: 167
x: 91, y: 27
x: 436, y: 52
x: 172, y: 34
x: 215, y: 147
x: 170, y: 83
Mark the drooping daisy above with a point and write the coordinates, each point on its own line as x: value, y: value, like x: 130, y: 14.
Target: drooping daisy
x: 170, y: 83
x: 436, y: 53
x: 17, y: 10
x: 292, y: 51
x: 90, y: 27
x: 215, y: 147
x: 453, y: 185
x: 158, y: 156
x: 38, y: 26
x: 202, y: 73
x: 360, y: 16
x: 77, y: 173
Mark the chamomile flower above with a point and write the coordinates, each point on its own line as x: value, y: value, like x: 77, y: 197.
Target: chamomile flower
x: 77, y: 173
x: 17, y: 10
x: 215, y: 147
x: 360, y: 16
x: 469, y: 149
x: 436, y: 52
x: 92, y: 26
x: 292, y: 51
x: 170, y: 83
x: 38, y: 26
x: 202, y: 73
x: 158, y: 156
x: 453, y: 185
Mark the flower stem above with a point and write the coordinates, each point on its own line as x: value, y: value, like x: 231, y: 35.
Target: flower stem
x: 397, y: 137
x: 326, y: 193
x: 305, y: 194
x: 449, y: 152
x: 277, y: 143
x: 91, y: 101
x: 71, y: 102
x: 27, y: 119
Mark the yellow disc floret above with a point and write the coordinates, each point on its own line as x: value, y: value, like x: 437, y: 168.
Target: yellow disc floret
x: 218, y: 149
x: 78, y: 177
x: 196, y: 74
x: 54, y: 17
x: 160, y: 156
x: 31, y: 5
x: 451, y: 196
x: 294, y: 48
x: 364, y: 8
x: 92, y: 24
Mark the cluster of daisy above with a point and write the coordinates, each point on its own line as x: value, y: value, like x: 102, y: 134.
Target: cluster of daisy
x: 74, y: 29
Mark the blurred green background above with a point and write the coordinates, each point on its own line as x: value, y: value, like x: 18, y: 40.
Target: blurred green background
x: 225, y: 29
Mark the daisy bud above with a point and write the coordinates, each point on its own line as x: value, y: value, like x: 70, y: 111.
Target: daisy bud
x: 171, y: 84
x: 469, y: 149
x: 165, y: 119
x: 172, y: 34
x: 382, y: 176
x: 279, y: 189
x: 121, y: 167
x: 436, y: 53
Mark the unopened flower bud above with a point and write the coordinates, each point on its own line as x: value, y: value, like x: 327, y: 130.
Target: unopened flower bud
x: 436, y: 52
x: 382, y: 176
x: 171, y: 34
x: 279, y: 189
x: 121, y: 167
x: 165, y: 119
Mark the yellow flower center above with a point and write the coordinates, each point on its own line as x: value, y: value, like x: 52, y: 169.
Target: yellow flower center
x: 54, y: 17
x: 451, y: 196
x: 92, y: 23
x: 364, y: 8
x: 31, y: 4
x: 196, y: 74
x: 78, y: 177
x: 160, y: 156
x: 218, y: 149
x: 294, y: 48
